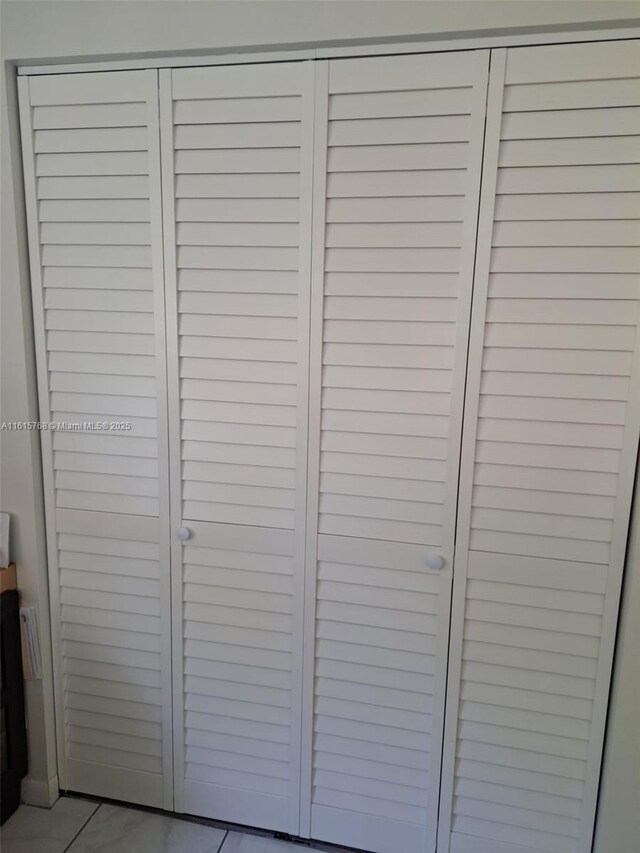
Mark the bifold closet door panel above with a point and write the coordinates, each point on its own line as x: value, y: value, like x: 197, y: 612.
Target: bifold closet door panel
x: 549, y: 450
x: 237, y: 180
x: 397, y: 164
x: 92, y: 180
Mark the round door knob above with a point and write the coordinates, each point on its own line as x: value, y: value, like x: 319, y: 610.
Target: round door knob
x: 183, y: 533
x: 435, y: 562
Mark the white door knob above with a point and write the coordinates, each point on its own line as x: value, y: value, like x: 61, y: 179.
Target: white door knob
x: 435, y: 562
x: 183, y: 533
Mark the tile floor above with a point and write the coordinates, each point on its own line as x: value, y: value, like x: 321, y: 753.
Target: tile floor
x: 79, y: 826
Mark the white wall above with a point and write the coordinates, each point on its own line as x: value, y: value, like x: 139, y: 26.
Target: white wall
x: 37, y: 31
x: 62, y: 29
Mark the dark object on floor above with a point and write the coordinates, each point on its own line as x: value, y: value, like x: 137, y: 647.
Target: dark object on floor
x: 14, y: 735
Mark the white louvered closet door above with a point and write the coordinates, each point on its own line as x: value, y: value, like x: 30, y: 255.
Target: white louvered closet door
x: 397, y: 163
x: 549, y: 450
x: 92, y: 179
x: 237, y: 178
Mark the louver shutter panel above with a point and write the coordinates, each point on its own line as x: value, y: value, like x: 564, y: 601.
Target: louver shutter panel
x: 237, y: 169
x: 395, y: 229
x: 91, y: 159
x: 549, y: 450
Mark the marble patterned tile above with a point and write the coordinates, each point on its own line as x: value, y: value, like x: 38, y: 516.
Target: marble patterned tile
x: 241, y: 842
x: 114, y: 829
x: 36, y: 830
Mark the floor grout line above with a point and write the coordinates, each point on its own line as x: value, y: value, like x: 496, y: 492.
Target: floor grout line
x: 310, y: 845
x: 91, y: 816
x: 97, y: 809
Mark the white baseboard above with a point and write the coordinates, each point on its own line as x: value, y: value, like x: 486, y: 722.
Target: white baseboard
x: 39, y: 792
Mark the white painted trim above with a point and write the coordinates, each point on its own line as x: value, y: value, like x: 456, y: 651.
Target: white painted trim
x: 465, y: 289
x: 321, y: 70
x: 164, y: 523
x: 44, y: 414
x: 438, y: 715
x: 619, y: 791
x: 619, y: 541
x: 474, y: 370
x: 463, y: 321
x: 190, y: 61
x: 513, y: 39
x: 40, y: 792
x: 238, y: 55
x: 173, y: 409
x: 307, y: 71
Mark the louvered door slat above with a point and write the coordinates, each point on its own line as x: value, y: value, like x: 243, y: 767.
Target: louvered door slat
x: 549, y: 450
x: 395, y: 206
x: 237, y: 208
x: 93, y: 195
